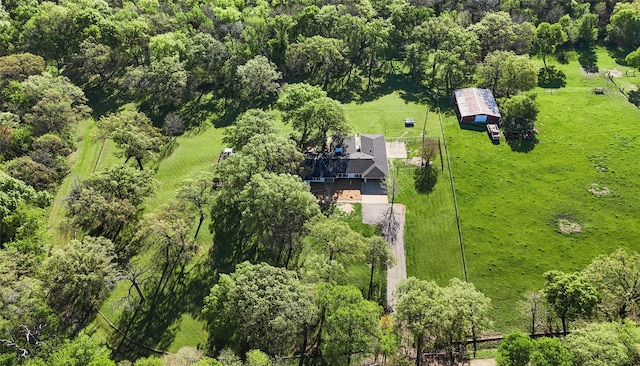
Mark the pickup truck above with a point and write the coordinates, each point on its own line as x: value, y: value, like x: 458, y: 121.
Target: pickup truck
x: 493, y: 131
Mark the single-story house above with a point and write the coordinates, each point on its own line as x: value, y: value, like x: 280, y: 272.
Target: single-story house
x: 358, y: 157
x: 474, y: 105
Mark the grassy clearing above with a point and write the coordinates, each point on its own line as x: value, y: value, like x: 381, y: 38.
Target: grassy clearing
x: 431, y: 239
x: 510, y: 202
x: 358, y: 274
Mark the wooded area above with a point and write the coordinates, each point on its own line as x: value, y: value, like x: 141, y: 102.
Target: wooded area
x: 274, y: 280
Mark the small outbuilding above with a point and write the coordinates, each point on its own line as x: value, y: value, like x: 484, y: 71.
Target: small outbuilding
x: 474, y: 105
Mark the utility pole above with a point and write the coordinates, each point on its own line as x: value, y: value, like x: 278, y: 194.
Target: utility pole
x: 424, y: 132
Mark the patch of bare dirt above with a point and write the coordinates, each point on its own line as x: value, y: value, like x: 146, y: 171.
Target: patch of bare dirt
x: 347, y: 208
x: 483, y: 362
x: 599, y: 190
x: 414, y: 161
x: 566, y: 225
x: 349, y: 195
x: 615, y: 73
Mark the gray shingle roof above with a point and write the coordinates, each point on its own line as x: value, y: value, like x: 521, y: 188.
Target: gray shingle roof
x: 365, y: 155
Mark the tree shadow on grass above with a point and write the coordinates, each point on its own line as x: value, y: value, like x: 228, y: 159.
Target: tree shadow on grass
x: 154, y: 324
x: 523, y: 145
x: 619, y: 54
x: 101, y: 102
x: 409, y: 90
x: 588, y: 59
x: 157, y: 322
x: 551, y: 78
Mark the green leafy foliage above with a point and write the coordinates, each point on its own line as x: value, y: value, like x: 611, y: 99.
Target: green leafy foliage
x: 258, y: 307
x: 615, y: 277
x: 251, y: 123
x: 437, y: 318
x: 106, y: 202
x: 79, y: 277
x: 134, y: 135
x: 515, y: 350
x: 550, y: 352
x: 570, y: 295
x: 601, y: 344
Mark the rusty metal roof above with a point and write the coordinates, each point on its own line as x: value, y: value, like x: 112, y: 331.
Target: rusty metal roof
x: 475, y: 101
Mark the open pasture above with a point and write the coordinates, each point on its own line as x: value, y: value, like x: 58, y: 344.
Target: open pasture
x: 572, y: 196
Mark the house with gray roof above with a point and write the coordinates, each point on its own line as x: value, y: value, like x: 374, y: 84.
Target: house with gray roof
x: 358, y: 157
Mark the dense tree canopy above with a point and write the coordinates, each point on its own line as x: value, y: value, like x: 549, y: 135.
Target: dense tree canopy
x: 259, y: 307
x: 106, y: 202
x: 440, y: 317
x: 197, y: 63
x: 78, y: 277
x: 570, y: 295
x: 616, y: 277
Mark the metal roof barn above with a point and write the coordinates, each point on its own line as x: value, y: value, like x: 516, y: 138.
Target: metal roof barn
x: 474, y: 105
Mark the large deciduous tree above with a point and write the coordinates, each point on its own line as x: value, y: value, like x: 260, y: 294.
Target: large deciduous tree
x: 107, y: 202
x: 570, y: 295
x: 446, y: 53
x: 26, y: 321
x: 514, y: 350
x: 20, y: 66
x: 317, y: 58
x: 351, y: 326
x: 168, y: 230
x: 258, y: 79
x: 262, y: 153
x: 15, y: 198
x: 550, y: 352
x: 198, y: 193
x: 251, y: 123
x: 496, y: 31
x: 617, y: 278
x: 134, y: 135
x: 417, y: 311
x: 441, y: 316
x: 519, y: 114
x: 52, y: 104
x: 506, y: 74
x: 379, y: 256
x: 275, y: 209
x: 294, y: 96
x: 338, y: 245
x: 316, y: 120
x: 79, y: 276
x: 605, y: 344
x: 259, y: 307
x: 624, y: 25
x: 547, y: 38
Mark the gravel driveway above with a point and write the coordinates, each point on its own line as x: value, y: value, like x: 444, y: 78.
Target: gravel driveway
x: 374, y: 208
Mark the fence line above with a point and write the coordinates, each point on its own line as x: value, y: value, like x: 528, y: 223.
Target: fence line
x: 455, y: 199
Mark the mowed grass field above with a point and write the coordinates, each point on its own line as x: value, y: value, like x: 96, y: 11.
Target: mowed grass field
x: 194, y: 152
x: 510, y: 202
x: 431, y: 237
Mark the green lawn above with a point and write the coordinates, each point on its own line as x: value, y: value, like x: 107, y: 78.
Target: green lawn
x: 510, y: 201
x: 431, y: 236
